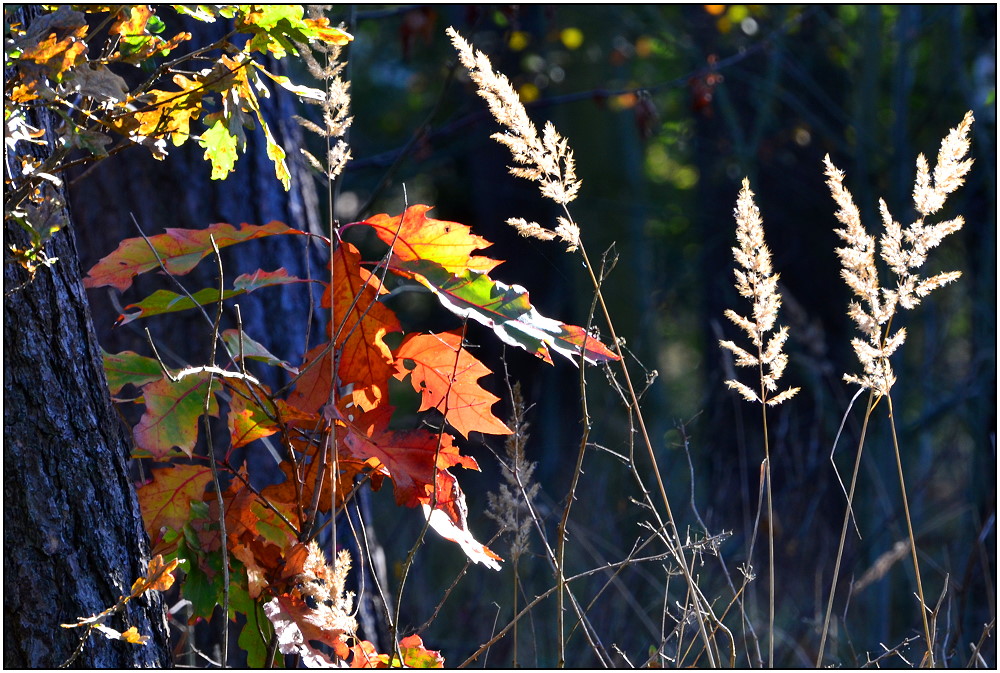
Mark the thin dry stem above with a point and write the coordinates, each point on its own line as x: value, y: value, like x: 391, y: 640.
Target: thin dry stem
x: 549, y: 161
x: 874, y: 307
x: 756, y: 281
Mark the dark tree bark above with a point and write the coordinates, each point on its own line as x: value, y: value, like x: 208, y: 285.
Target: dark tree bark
x: 73, y: 535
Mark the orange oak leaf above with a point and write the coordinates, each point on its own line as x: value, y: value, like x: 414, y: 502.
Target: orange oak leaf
x: 172, y: 412
x: 179, y: 249
x: 415, y: 655
x: 446, y: 374
x: 301, y: 487
x: 132, y: 24
x: 365, y: 655
x: 414, y: 236
x: 131, y: 635
x: 359, y: 326
x: 159, y: 576
x: 166, y: 499
x: 56, y: 41
x: 438, y: 254
x: 312, y: 385
x: 247, y: 421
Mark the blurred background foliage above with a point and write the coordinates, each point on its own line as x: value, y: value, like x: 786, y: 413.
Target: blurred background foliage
x: 667, y: 108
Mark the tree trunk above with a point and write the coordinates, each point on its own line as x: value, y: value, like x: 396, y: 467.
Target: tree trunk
x: 73, y: 535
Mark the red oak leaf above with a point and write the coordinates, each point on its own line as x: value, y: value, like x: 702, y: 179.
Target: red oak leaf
x: 359, y: 326
x: 409, y: 458
x: 414, y: 236
x: 445, y: 375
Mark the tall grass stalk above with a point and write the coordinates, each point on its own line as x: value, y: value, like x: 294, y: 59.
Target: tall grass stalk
x: 548, y: 160
x: 874, y: 307
x: 872, y: 401
x: 756, y: 281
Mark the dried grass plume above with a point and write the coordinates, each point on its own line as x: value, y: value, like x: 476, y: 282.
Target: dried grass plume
x: 903, y: 250
x: 756, y: 281
x: 336, y: 104
x: 546, y: 159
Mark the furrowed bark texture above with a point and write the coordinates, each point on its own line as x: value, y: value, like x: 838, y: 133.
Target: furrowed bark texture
x: 73, y: 536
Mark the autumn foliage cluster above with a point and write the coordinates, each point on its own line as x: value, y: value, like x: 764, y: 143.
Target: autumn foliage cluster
x: 332, y: 423
x: 326, y: 429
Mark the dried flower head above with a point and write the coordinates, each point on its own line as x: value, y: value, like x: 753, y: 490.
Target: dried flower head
x: 336, y: 103
x: 547, y: 160
x: 756, y: 281
x: 509, y: 506
x: 903, y: 250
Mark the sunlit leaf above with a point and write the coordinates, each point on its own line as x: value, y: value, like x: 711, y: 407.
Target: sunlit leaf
x: 180, y: 250
x: 416, y: 237
x: 415, y: 655
x: 446, y: 374
x: 220, y: 149
x: 507, y: 310
x: 173, y: 410
x: 166, y: 301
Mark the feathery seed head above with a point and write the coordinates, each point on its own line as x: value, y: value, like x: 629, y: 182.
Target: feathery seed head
x: 903, y: 250
x: 547, y: 160
x: 756, y: 282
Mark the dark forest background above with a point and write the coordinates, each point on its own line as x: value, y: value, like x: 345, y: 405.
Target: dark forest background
x: 667, y: 108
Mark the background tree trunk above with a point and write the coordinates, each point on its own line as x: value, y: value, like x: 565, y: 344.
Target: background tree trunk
x: 73, y: 535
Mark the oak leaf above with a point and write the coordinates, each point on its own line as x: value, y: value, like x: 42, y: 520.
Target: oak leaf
x: 446, y: 374
x: 166, y: 499
x: 159, y: 576
x: 359, y: 326
x: 128, y: 367
x: 172, y: 412
x: 447, y: 514
x: 252, y: 350
x: 415, y: 655
x: 438, y: 254
x: 408, y: 455
x: 179, y: 249
x: 365, y: 655
x: 507, y: 310
x: 414, y: 236
x: 248, y: 422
